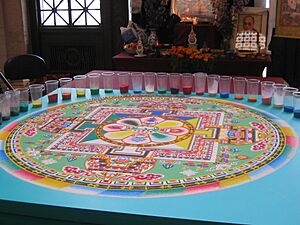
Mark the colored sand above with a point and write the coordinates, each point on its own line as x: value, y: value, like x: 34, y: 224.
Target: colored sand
x: 66, y: 96
x: 52, y: 98
x: 14, y: 112
x: 187, y: 90
x: 162, y: 91
x: 252, y: 99
x: 297, y: 113
x: 5, y: 118
x: 37, y: 104
x: 224, y: 95
x: 287, y: 108
x: 23, y: 107
x: 266, y: 101
x: 174, y: 90
x: 95, y: 91
x: 278, y: 106
x: 199, y: 92
x: 80, y: 93
x: 239, y: 97
x: 124, y: 88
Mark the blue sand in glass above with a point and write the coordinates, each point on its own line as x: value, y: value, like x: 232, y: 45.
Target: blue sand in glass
x: 288, y: 108
x: 297, y: 113
x: 224, y: 95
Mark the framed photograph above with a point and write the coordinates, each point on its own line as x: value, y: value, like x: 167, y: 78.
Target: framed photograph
x: 288, y: 19
x: 251, y: 29
x: 189, y: 9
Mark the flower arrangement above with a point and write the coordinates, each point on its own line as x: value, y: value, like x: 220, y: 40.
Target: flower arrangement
x: 191, y: 60
x: 225, y: 16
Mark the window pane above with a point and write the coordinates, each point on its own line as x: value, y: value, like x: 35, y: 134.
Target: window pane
x: 62, y: 18
x: 44, y: 16
x: 63, y: 5
x: 91, y: 21
x: 57, y: 2
x: 80, y: 2
x: 95, y: 4
x: 96, y: 16
x: 50, y: 21
x: 78, y: 17
x: 46, y: 4
x: 75, y: 5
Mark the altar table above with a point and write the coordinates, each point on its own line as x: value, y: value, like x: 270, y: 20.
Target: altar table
x: 223, y: 66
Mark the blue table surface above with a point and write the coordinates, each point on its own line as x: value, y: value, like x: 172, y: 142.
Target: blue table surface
x: 273, y: 199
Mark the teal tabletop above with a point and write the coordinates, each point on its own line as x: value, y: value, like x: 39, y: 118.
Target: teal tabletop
x: 272, y: 198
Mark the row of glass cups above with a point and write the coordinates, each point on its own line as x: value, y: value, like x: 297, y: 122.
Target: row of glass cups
x: 186, y: 82
x: 13, y: 102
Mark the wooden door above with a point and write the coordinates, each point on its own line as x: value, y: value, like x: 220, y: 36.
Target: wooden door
x: 76, y: 36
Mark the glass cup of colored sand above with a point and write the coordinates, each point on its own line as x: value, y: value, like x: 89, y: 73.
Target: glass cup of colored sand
x: 137, y: 81
x: 175, y: 83
x: 212, y: 84
x: 36, y: 92
x: 65, y: 88
x: 149, y: 80
x: 278, y: 95
x: 1, y: 103
x: 224, y: 86
x: 108, y: 81
x: 24, y: 99
x: 80, y: 84
x: 94, y: 83
x: 123, y: 78
x: 162, y: 82
x: 296, y: 104
x: 288, y: 105
x: 5, y: 106
x: 187, y: 83
x: 200, y: 83
x: 267, y: 91
x: 252, y: 89
x: 14, y: 102
x: 52, y: 88
x: 239, y: 84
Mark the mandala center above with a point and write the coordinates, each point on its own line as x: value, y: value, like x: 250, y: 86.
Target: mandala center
x: 144, y: 129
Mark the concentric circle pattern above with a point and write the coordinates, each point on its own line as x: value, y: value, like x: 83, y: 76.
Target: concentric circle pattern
x: 145, y: 146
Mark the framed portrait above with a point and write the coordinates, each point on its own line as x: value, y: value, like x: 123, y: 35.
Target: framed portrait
x: 288, y: 19
x: 251, y: 28
x: 189, y: 9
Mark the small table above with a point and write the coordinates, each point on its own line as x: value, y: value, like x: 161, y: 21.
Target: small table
x: 223, y: 66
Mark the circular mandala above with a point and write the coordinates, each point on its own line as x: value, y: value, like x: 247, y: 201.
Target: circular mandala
x: 126, y: 146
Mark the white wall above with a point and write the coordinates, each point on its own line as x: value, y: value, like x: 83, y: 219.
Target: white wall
x: 13, y: 29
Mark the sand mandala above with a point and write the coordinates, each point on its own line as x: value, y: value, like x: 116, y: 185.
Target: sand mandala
x: 146, y: 146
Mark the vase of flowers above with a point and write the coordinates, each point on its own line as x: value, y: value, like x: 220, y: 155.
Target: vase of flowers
x: 225, y: 18
x: 191, y: 60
